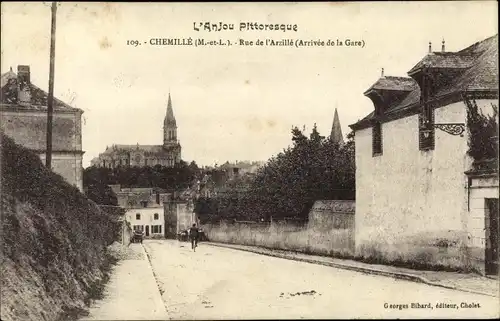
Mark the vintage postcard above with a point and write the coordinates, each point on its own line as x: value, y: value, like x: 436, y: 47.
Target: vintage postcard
x: 218, y: 161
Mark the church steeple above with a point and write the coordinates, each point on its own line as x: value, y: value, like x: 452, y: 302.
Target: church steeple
x: 169, y: 124
x: 336, y: 134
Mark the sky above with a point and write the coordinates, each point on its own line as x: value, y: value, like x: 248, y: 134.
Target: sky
x: 231, y: 103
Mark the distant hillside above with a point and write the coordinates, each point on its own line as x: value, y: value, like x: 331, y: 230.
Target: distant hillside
x: 53, y: 241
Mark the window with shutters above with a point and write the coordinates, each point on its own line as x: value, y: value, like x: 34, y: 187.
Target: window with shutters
x: 377, y: 139
x: 426, y: 130
x: 426, y: 115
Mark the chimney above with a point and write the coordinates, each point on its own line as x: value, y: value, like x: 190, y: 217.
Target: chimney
x: 430, y: 47
x: 23, y: 85
x: 442, y: 47
x: 382, y: 73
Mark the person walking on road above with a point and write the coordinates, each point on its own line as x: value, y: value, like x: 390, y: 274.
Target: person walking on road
x: 193, y: 236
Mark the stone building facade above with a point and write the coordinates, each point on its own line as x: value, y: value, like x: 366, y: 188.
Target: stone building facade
x: 411, y: 180
x: 167, y: 154
x: 23, y: 117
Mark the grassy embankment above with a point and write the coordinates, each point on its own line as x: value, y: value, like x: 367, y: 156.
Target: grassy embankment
x: 53, y: 241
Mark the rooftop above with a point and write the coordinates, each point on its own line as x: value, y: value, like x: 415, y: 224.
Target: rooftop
x: 9, y: 96
x: 478, y: 72
x: 394, y: 83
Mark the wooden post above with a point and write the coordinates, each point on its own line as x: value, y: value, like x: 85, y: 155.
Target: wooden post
x: 50, y: 99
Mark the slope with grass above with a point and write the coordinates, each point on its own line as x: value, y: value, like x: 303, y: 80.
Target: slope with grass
x: 53, y: 241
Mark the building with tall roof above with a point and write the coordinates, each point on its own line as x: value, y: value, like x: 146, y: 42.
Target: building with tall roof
x: 23, y: 117
x: 168, y: 154
x: 414, y: 177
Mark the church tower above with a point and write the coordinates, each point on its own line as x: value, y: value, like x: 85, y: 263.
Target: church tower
x: 336, y: 134
x: 169, y: 126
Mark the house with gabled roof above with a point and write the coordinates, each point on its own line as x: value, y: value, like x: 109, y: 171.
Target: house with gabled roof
x: 415, y: 179
x: 23, y: 111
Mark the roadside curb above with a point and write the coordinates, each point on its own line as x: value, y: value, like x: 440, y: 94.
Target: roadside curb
x: 395, y: 275
x: 158, y: 287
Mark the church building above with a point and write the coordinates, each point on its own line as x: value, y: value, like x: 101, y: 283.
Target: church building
x: 167, y: 154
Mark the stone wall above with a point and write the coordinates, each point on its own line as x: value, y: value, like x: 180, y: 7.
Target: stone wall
x: 332, y: 214
x: 179, y: 216
x: 284, y: 236
x: 185, y: 216
x: 69, y: 166
x: 481, y: 189
x: 28, y: 128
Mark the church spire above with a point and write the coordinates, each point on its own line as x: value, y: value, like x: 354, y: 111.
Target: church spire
x: 169, y: 124
x: 170, y: 118
x: 336, y: 134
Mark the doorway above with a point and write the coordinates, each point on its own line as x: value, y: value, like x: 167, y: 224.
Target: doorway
x: 147, y: 230
x: 492, y: 237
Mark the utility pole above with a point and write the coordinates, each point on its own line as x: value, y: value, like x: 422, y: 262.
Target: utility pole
x: 50, y: 100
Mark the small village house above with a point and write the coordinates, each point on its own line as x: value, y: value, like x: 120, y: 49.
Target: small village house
x: 414, y: 178
x: 23, y: 117
x: 144, y: 209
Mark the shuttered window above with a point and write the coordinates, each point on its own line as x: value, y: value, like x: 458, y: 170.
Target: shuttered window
x: 426, y: 130
x: 377, y: 139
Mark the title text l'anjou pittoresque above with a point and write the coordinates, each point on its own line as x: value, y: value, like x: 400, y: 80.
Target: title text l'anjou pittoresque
x: 244, y: 26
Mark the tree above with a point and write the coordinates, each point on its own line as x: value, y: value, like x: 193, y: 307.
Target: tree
x: 483, y: 132
x: 170, y: 178
x: 313, y: 168
x: 101, y: 194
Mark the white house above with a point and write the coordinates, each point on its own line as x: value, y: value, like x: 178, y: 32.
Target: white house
x: 414, y: 179
x: 145, y: 210
x: 149, y: 220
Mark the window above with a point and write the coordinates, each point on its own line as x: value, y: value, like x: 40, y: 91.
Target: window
x: 377, y: 139
x: 138, y: 228
x: 137, y: 216
x: 426, y: 115
x: 156, y: 229
x: 156, y: 216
